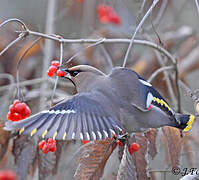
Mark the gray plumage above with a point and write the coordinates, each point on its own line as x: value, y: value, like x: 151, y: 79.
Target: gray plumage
x: 104, y: 106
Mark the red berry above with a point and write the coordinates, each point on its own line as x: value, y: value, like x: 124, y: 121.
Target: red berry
x: 16, y: 117
x: 53, y: 69
x: 85, y: 141
x: 27, y: 111
x: 12, y: 109
x: 20, y: 108
x: 45, y: 149
x: 134, y: 147
x: 7, y: 175
x: 9, y: 117
x: 114, y: 18
x: 61, y: 73
x: 106, y: 14
x: 16, y: 102
x: 41, y: 144
x: 55, y: 63
x: 52, y: 147
x: 119, y: 143
x: 50, y: 74
x: 50, y: 140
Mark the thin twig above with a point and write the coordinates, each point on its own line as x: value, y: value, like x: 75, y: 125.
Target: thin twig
x: 188, y: 90
x: 159, y: 71
x: 159, y: 15
x: 197, y: 5
x: 140, y: 42
x: 20, y: 37
x: 136, y: 30
x: 78, y: 53
x: 14, y: 20
x: 19, y: 63
x: 108, y: 58
x: 48, y: 49
x: 177, y: 87
x: 56, y: 80
x: 166, y: 75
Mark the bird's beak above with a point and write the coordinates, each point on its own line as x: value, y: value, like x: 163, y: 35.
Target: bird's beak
x: 68, y: 76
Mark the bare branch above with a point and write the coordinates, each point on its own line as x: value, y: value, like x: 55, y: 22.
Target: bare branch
x: 99, y: 41
x: 136, y: 30
x: 108, y: 58
x: 20, y: 37
x: 91, y: 45
x: 159, y: 71
x: 14, y: 20
x: 48, y: 49
x: 197, y: 5
x: 56, y: 80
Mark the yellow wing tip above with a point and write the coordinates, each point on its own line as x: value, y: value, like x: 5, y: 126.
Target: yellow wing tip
x: 55, y: 134
x: 44, y: 133
x: 189, y: 123
x: 21, y: 130
x: 33, y: 131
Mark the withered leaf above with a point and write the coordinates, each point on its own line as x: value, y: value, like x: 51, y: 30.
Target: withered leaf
x: 93, y: 158
x: 24, y: 150
x: 127, y: 168
x: 48, y: 163
x: 174, y: 140
x: 4, y: 139
x: 139, y: 157
x: 151, y: 137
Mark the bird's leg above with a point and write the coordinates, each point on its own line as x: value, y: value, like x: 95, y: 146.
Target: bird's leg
x: 122, y: 137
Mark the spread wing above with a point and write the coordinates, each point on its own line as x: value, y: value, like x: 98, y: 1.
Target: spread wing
x: 82, y: 117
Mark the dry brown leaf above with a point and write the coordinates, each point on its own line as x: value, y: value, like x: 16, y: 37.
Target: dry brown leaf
x: 151, y: 137
x: 24, y: 150
x: 4, y: 139
x: 127, y: 168
x: 188, y: 150
x: 48, y: 163
x: 166, y: 149
x: 139, y: 157
x: 174, y: 140
x: 92, y: 159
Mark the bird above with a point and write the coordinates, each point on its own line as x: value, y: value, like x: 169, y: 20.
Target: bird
x: 105, y: 106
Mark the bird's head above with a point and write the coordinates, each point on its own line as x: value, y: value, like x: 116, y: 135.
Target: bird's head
x: 83, y: 77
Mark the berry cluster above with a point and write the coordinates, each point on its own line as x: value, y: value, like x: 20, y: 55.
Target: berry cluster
x: 18, y: 111
x: 7, y: 175
x: 132, y: 148
x: 54, y: 69
x: 106, y: 14
x: 48, y: 146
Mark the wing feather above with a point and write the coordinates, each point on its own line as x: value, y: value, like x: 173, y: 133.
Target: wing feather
x: 81, y: 117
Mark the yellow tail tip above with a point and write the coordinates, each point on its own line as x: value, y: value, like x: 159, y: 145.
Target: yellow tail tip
x: 189, y: 123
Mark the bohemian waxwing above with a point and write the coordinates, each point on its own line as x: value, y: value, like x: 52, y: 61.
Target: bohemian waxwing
x: 104, y: 106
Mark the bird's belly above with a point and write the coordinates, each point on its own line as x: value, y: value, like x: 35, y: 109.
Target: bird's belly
x: 132, y: 124
x: 135, y: 120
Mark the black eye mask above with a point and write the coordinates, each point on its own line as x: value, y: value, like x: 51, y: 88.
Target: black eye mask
x: 74, y: 73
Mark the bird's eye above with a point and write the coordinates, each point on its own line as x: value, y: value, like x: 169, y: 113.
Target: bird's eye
x: 74, y: 73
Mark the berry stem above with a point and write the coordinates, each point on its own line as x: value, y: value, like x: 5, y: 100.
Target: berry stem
x: 56, y: 80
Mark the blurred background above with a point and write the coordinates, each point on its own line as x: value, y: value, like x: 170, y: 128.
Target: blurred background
x: 172, y: 25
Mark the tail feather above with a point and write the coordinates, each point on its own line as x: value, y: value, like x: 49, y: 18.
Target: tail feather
x: 185, y: 121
